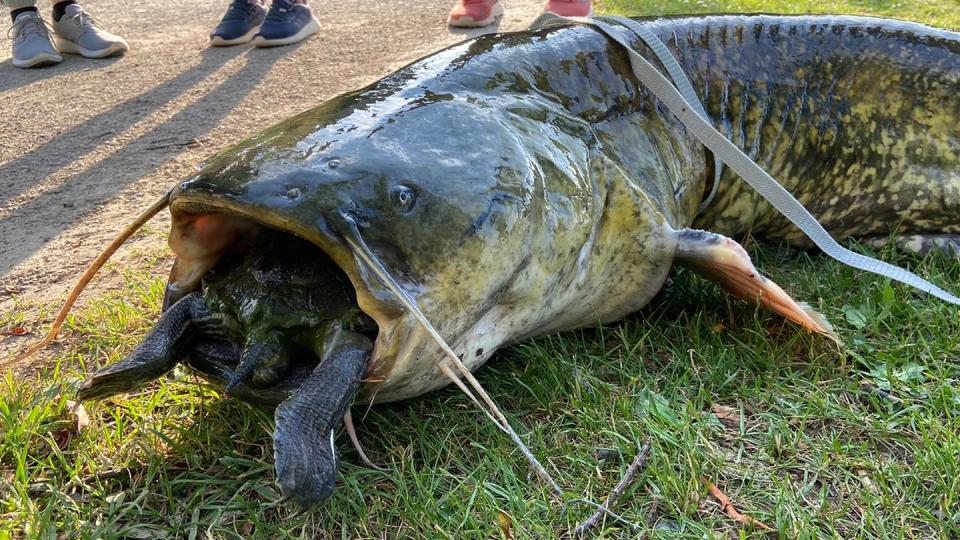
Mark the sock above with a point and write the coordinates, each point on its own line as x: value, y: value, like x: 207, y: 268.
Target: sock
x: 60, y: 8
x: 15, y: 12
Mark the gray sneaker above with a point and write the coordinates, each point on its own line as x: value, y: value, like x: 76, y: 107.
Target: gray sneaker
x: 31, y: 42
x: 77, y: 33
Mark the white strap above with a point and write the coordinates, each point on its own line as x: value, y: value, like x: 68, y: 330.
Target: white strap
x: 680, y: 79
x: 733, y: 157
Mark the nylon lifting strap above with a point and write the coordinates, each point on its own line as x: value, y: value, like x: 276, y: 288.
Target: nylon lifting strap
x: 691, y: 113
x: 682, y: 83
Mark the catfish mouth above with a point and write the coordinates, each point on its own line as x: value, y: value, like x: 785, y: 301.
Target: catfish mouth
x: 207, y: 236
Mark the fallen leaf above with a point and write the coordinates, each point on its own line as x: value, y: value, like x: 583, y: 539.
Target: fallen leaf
x: 506, y: 524
x: 866, y: 481
x: 15, y: 331
x: 729, y: 509
x: 80, y: 413
x: 727, y: 415
x: 62, y: 437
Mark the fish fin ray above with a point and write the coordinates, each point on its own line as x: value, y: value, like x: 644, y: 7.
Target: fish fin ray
x: 726, y: 263
x: 355, y: 441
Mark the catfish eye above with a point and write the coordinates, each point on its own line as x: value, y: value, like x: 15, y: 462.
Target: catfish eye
x: 404, y: 197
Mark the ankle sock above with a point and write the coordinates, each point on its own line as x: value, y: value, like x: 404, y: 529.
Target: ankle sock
x: 60, y: 8
x: 15, y: 12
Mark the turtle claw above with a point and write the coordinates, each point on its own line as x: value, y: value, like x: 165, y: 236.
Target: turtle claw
x: 304, y: 452
x: 263, y: 361
x: 238, y: 378
x: 307, y: 475
x: 166, y: 343
x: 111, y: 380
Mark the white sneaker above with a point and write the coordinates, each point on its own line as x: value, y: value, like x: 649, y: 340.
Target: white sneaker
x: 31, y: 42
x: 77, y: 33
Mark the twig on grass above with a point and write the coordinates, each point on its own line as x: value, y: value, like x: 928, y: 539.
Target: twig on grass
x: 881, y: 393
x: 627, y: 479
x: 651, y: 516
x: 730, y: 510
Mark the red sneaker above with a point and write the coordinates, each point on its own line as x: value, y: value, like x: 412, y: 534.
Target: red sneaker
x: 569, y: 8
x: 471, y: 13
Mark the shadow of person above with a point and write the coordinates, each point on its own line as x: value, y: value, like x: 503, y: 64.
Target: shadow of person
x: 96, y: 185
x: 21, y: 173
x: 12, y: 78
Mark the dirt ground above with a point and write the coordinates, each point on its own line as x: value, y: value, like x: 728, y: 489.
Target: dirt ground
x: 87, y: 144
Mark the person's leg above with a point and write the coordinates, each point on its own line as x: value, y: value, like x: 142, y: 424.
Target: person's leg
x: 75, y: 32
x: 59, y: 8
x: 287, y: 22
x: 569, y: 8
x: 239, y: 24
x: 473, y: 13
x: 31, y: 41
x: 19, y: 6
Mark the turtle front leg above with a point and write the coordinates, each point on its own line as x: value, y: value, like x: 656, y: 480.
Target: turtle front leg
x: 264, y: 360
x: 169, y: 341
x: 305, y: 456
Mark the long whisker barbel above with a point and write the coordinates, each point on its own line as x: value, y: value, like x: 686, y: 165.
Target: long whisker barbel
x: 355, y: 239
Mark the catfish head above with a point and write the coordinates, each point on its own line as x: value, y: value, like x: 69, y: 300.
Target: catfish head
x: 439, y: 187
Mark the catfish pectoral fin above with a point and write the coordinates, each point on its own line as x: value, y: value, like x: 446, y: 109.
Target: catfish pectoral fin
x: 725, y: 262
x: 166, y: 344
x: 305, y: 456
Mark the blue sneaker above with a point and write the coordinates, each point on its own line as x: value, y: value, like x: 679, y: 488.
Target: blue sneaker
x: 239, y: 24
x: 31, y: 42
x: 287, y: 22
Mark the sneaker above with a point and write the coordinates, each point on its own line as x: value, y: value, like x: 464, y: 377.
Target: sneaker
x: 287, y: 22
x: 239, y: 24
x: 77, y: 33
x: 473, y: 13
x: 31, y: 42
x: 569, y: 8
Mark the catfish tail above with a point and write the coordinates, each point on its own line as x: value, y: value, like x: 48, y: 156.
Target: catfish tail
x: 858, y: 117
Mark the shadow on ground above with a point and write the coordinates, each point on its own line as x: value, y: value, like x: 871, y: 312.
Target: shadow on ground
x: 13, y: 78
x: 127, y: 165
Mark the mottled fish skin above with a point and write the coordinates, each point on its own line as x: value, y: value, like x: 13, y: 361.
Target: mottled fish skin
x: 549, y: 185
x: 858, y: 117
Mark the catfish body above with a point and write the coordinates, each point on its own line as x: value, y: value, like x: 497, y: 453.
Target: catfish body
x: 522, y: 184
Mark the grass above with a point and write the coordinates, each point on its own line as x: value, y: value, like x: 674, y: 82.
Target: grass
x: 811, y: 442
